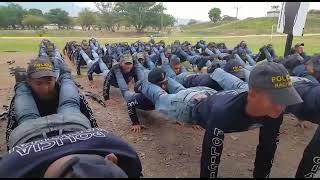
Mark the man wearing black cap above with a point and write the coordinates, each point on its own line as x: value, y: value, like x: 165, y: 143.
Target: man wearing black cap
x: 299, y: 48
x: 128, y: 69
x: 45, y: 95
x: 306, y: 111
x: 64, y: 144
x: 262, y: 105
x: 145, y: 60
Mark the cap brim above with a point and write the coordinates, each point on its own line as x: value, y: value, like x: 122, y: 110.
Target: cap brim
x: 128, y: 62
x: 285, y: 96
x: 41, y: 74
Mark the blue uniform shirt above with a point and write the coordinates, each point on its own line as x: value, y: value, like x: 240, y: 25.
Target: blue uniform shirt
x: 32, y: 159
x: 224, y: 112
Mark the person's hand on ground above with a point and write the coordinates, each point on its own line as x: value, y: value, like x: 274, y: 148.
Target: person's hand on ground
x: 137, y: 128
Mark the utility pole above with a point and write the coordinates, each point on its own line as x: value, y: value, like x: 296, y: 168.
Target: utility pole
x: 237, y: 8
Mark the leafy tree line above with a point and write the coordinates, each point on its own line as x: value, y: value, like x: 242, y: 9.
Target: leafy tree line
x: 13, y: 16
x: 110, y: 16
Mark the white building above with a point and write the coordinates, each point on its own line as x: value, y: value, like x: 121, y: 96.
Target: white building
x: 51, y: 26
x: 274, y: 12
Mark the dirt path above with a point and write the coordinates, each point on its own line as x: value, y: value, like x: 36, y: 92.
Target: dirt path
x: 167, y: 149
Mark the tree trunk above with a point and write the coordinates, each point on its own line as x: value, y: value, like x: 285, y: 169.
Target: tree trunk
x: 139, y: 29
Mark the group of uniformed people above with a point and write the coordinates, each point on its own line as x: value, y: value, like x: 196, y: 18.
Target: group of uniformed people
x: 240, y: 91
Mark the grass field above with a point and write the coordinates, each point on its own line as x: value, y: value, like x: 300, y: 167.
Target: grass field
x: 262, y: 25
x: 31, y: 44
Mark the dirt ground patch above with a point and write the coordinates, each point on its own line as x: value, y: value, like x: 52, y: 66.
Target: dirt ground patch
x: 165, y: 148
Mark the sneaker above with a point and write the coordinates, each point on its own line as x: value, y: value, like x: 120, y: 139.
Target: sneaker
x: 20, y: 76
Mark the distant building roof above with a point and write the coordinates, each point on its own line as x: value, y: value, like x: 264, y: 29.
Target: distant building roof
x: 273, y: 12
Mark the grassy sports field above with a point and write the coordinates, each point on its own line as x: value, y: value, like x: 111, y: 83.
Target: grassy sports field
x: 31, y: 44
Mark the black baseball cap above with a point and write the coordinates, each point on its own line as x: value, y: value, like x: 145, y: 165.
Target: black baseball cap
x: 315, y: 62
x: 90, y: 166
x: 274, y: 79
x: 298, y: 44
x: 39, y: 68
x: 157, y: 76
x: 235, y: 68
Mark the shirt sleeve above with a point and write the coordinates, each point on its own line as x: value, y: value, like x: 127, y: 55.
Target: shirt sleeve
x: 212, y: 147
x: 12, y: 122
x: 106, y: 85
x: 91, y: 70
x: 138, y: 101
x: 87, y: 111
x: 132, y: 112
x: 268, y: 141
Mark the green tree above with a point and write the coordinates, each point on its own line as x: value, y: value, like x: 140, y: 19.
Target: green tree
x: 87, y: 18
x: 72, y: 22
x: 140, y: 14
x: 13, y: 15
x: 215, y: 14
x: 108, y: 18
x: 35, y: 12
x: 162, y: 20
x: 34, y: 22
x: 59, y: 17
x: 168, y: 20
x: 3, y: 17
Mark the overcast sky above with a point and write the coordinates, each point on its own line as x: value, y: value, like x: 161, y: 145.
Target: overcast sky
x: 199, y: 10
